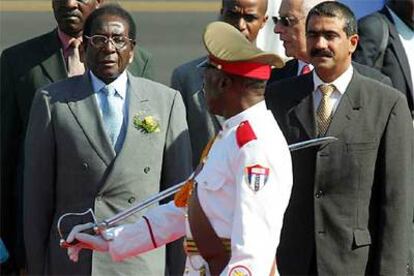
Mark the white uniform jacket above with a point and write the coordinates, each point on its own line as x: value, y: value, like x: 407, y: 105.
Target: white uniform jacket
x: 243, y: 188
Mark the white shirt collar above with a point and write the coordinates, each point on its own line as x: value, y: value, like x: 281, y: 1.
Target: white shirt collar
x: 341, y: 83
x: 120, y: 83
x: 245, y: 115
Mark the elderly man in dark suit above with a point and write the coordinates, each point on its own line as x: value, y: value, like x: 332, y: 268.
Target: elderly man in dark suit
x: 351, y: 203
x: 398, y: 54
x: 103, y: 140
x: 248, y: 16
x: 290, y: 25
x: 25, y: 68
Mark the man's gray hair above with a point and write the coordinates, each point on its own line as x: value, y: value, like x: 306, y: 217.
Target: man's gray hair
x: 307, y: 5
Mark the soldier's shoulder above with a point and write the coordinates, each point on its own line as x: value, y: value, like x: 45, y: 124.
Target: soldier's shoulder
x: 245, y: 134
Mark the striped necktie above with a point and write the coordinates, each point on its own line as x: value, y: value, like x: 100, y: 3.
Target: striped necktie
x: 324, y: 111
x: 75, y: 66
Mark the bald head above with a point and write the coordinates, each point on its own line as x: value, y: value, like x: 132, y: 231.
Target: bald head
x: 261, y: 3
x: 248, y: 16
x: 294, y: 35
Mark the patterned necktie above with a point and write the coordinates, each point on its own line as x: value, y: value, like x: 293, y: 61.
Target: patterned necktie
x: 324, y: 112
x: 75, y: 66
x: 305, y: 69
x: 112, y: 114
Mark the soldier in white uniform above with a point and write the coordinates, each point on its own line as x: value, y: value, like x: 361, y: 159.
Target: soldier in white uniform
x: 231, y: 211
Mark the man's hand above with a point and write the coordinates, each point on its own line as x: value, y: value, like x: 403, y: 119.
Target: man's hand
x: 92, y: 242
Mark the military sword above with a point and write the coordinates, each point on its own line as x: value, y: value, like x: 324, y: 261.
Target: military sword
x: 101, y: 227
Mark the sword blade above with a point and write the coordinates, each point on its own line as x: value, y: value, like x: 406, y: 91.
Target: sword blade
x: 172, y: 190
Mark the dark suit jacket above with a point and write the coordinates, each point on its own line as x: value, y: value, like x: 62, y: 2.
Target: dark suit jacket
x: 202, y: 125
x: 395, y: 64
x: 349, y: 207
x: 25, y: 68
x: 291, y: 68
x: 70, y: 166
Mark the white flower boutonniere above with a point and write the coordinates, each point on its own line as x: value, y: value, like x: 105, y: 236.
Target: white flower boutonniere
x: 147, y: 124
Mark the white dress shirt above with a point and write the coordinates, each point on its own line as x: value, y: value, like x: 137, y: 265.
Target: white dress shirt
x: 341, y: 84
x: 120, y: 84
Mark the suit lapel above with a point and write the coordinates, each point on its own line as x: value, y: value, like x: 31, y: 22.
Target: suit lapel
x: 348, y: 108
x: 304, y: 107
x: 139, y: 101
x: 398, y: 49
x: 54, y: 65
x: 85, y: 109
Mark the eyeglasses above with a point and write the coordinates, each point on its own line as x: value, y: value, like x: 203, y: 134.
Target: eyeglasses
x: 286, y: 20
x: 100, y: 41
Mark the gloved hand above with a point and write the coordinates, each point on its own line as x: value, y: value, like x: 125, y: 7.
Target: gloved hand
x: 86, y: 241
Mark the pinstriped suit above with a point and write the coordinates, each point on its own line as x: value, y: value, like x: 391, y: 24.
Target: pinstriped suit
x: 70, y: 166
x: 25, y: 68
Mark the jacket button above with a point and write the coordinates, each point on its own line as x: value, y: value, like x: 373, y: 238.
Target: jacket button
x: 85, y: 166
x: 147, y: 169
x: 131, y: 200
x: 319, y: 194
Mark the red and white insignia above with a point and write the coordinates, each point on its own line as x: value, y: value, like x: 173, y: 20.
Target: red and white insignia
x: 240, y: 270
x: 256, y: 177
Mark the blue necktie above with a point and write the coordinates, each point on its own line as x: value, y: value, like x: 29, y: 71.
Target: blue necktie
x: 112, y: 115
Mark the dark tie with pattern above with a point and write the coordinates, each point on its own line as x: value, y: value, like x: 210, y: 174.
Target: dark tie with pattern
x: 324, y: 111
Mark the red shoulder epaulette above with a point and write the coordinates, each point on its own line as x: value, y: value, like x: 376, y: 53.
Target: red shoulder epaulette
x: 244, y: 134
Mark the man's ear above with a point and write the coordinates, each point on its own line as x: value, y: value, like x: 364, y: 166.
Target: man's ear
x: 225, y: 83
x: 131, y: 55
x: 265, y: 18
x: 353, y: 42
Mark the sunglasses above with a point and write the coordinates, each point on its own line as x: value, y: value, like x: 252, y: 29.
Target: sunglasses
x: 285, y: 20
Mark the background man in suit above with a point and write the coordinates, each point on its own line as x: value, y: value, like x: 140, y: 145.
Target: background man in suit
x: 398, y: 55
x: 396, y: 58
x: 248, y: 16
x: 102, y: 140
x: 349, y: 212
x: 25, y: 68
x: 290, y: 25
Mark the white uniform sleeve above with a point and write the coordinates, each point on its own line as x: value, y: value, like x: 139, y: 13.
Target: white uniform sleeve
x: 162, y: 225
x: 263, y: 189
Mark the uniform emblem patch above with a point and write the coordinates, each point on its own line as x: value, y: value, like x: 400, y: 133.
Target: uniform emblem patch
x: 256, y: 177
x: 240, y: 271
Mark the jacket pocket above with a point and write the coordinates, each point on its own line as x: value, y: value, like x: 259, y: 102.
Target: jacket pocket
x: 210, y: 181
x: 362, y: 237
x: 357, y: 147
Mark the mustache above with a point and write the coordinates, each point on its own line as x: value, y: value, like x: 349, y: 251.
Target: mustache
x: 321, y: 53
